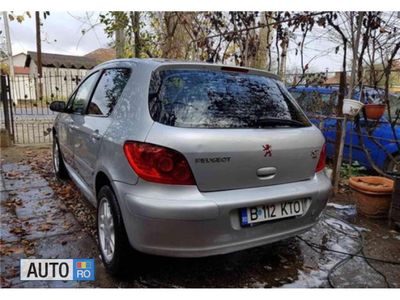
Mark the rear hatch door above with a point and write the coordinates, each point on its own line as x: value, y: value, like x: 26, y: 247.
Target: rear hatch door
x: 236, y: 127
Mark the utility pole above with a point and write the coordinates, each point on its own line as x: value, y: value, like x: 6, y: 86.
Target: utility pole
x: 39, y: 56
x: 38, y: 45
x: 8, y: 42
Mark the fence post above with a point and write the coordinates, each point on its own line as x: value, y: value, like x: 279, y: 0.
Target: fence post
x: 340, y: 155
x: 10, y: 102
x: 4, y: 100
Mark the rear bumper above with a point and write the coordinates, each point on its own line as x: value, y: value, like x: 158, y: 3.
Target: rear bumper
x: 184, y: 222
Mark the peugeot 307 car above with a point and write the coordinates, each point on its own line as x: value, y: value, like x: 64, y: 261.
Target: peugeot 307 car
x: 189, y: 159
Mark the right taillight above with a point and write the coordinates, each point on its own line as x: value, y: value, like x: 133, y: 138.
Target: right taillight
x: 322, y: 159
x: 158, y: 164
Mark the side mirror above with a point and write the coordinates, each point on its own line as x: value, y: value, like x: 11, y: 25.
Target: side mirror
x: 58, y: 106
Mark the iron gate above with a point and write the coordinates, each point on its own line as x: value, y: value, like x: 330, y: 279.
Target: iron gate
x: 25, y: 103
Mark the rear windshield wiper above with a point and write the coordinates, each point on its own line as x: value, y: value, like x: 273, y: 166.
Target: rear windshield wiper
x: 278, y: 122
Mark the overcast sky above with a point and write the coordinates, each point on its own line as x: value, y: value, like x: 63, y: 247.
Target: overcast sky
x: 62, y: 33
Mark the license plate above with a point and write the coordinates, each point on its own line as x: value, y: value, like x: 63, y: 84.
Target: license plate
x: 269, y: 212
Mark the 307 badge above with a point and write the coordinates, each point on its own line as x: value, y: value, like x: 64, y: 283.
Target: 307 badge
x: 268, y: 212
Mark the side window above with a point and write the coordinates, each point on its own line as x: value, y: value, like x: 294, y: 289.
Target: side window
x: 81, y: 98
x: 108, y: 91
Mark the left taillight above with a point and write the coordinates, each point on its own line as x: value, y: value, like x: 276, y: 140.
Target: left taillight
x: 322, y: 158
x: 158, y: 164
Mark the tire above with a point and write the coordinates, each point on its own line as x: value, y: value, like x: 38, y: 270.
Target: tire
x: 58, y: 162
x: 116, y: 260
x: 390, y: 166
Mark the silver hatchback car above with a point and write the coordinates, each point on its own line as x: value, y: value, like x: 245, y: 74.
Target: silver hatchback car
x: 189, y: 159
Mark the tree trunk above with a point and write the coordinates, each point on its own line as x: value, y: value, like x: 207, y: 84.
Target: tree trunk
x: 284, y: 46
x: 176, y: 37
x: 120, y: 43
x: 136, y: 32
x: 262, y: 56
x: 355, y: 47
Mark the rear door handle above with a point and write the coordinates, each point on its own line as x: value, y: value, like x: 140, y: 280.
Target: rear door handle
x: 74, y: 126
x: 266, y: 173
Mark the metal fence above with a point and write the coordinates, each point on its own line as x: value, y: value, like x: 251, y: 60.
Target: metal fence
x: 28, y: 99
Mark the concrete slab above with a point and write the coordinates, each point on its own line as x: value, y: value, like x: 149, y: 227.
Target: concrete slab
x: 11, y: 229
x: 3, y: 196
x: 75, y: 245
x: 16, y: 168
x: 2, y: 187
x: 25, y: 183
x: 49, y: 225
x: 33, y: 193
x: 33, y: 208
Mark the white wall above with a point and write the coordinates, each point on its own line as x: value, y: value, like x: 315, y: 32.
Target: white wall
x: 22, y: 88
x: 57, y: 83
x: 18, y: 60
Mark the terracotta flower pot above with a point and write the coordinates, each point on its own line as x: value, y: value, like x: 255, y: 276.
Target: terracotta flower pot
x: 374, y: 111
x: 373, y: 195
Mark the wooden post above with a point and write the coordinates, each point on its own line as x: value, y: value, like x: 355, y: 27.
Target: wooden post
x: 340, y: 155
x: 339, y: 129
x: 351, y: 146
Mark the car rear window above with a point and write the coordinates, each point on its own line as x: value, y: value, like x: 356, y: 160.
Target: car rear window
x: 221, y: 99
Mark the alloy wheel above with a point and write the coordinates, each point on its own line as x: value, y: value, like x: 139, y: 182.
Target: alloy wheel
x: 106, y: 229
x: 56, y: 158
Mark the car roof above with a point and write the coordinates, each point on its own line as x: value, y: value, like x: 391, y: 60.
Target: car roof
x: 154, y: 63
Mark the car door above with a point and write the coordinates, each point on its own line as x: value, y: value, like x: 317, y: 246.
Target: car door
x: 72, y: 119
x: 96, y: 120
x: 64, y: 136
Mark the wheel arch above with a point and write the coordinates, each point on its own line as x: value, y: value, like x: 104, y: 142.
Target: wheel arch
x: 101, y: 180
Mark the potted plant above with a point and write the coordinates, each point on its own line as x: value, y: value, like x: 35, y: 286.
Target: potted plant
x: 373, y: 195
x: 375, y: 108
